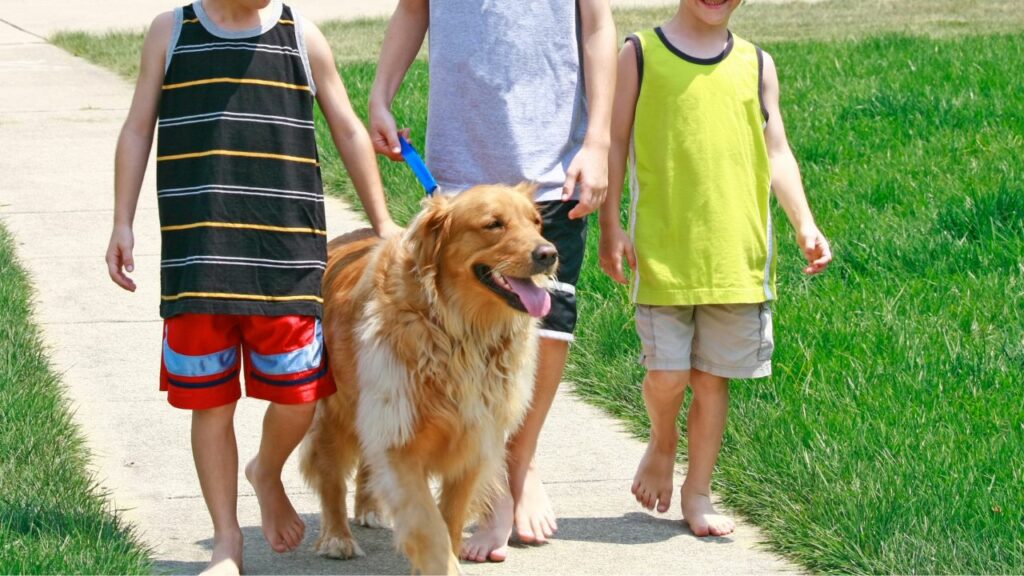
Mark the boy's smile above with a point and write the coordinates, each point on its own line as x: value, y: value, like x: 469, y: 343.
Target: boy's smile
x: 712, y: 12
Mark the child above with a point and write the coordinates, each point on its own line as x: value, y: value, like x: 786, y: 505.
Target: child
x: 518, y: 91
x: 243, y: 233
x: 708, y: 145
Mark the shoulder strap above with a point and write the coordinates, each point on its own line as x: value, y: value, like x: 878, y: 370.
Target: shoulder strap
x: 638, y: 45
x: 300, y: 40
x: 179, y: 17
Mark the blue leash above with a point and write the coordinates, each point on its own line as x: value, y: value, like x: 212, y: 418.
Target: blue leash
x: 419, y: 168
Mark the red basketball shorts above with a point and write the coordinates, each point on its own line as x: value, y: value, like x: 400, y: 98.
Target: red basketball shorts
x: 283, y: 357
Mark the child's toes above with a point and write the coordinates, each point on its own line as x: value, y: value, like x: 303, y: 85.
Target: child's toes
x: 278, y: 544
x: 664, y: 500
x: 652, y: 499
x: 639, y: 495
x: 721, y: 526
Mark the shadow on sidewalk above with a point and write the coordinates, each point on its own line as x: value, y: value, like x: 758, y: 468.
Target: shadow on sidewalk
x: 631, y: 528
x: 381, y: 557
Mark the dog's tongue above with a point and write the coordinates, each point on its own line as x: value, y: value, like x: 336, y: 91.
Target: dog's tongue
x: 536, y: 299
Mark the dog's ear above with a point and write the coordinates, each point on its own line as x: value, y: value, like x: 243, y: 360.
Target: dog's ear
x: 528, y: 189
x: 428, y: 231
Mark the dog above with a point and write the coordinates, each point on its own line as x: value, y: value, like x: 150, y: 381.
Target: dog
x: 432, y: 343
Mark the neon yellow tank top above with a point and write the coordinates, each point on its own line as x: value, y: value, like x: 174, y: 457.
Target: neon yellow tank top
x: 700, y: 177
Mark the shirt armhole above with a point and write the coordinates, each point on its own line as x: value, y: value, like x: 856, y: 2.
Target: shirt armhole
x: 760, y: 83
x: 175, y: 35
x: 635, y: 40
x: 300, y: 39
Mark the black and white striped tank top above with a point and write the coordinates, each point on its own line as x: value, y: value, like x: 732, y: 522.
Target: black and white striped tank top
x: 238, y: 175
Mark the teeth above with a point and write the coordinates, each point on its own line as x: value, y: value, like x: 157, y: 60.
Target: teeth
x: 500, y: 281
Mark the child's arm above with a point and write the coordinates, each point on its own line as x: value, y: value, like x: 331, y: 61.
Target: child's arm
x: 614, y: 240
x: 348, y: 132
x: 589, y: 167
x: 133, y: 146
x: 786, y: 178
x: 405, y: 35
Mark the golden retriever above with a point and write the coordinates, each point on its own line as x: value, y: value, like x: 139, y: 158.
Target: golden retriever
x: 432, y: 343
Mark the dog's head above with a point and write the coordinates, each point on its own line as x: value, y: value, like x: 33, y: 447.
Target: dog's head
x: 484, y: 249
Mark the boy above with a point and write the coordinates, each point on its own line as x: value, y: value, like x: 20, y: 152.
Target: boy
x: 708, y: 146
x: 243, y: 233
x: 518, y: 91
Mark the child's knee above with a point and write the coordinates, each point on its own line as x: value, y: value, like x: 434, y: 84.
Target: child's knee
x: 704, y: 384
x: 296, y: 411
x: 662, y: 382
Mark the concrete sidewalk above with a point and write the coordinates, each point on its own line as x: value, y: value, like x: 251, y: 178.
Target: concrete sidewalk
x: 59, y: 119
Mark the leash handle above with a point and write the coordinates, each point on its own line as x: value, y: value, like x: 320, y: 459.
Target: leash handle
x: 419, y: 168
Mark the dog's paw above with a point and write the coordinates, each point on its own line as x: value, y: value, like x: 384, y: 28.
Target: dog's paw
x: 454, y: 568
x: 372, y: 519
x: 340, y: 548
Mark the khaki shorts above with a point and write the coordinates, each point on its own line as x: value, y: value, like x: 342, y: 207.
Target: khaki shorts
x: 726, y: 340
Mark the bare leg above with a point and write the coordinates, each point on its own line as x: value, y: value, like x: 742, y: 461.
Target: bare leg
x: 705, y: 425
x: 284, y: 425
x: 216, y: 456
x: 534, y: 516
x: 523, y: 503
x: 663, y: 395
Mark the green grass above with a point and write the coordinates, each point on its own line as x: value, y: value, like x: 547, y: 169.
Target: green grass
x: 890, y: 437
x: 359, y: 40
x: 53, y: 519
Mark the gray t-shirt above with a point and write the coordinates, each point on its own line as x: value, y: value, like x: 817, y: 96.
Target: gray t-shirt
x: 507, y: 100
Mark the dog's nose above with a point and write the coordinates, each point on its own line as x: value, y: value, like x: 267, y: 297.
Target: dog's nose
x: 545, y: 255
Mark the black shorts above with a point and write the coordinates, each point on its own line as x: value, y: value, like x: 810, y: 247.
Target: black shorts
x: 570, y: 238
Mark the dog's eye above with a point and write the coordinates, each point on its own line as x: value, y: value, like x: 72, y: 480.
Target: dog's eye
x: 495, y: 224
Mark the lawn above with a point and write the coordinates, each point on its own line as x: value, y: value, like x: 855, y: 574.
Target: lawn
x: 891, y: 437
x: 53, y: 519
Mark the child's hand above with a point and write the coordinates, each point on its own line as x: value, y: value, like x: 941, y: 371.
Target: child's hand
x: 384, y: 133
x: 589, y: 168
x: 119, y: 255
x: 389, y: 229
x: 614, y: 243
x: 815, y: 248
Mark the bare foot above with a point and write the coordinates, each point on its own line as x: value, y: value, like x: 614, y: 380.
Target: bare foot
x: 282, y: 526
x: 534, y: 516
x: 227, y: 555
x: 652, y: 483
x: 490, y: 541
x: 702, y: 517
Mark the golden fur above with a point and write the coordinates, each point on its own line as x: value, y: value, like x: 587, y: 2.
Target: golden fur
x: 433, y: 369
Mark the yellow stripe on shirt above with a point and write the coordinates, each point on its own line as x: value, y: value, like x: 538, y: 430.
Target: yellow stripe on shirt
x: 190, y: 21
x: 230, y: 296
x: 286, y: 22
x: 237, y: 153
x: 241, y: 226
x: 236, y: 81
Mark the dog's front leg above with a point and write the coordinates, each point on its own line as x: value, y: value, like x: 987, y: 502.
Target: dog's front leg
x: 457, y: 496
x: 419, y: 527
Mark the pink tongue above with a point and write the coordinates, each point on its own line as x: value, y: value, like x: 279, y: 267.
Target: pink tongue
x: 536, y: 299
